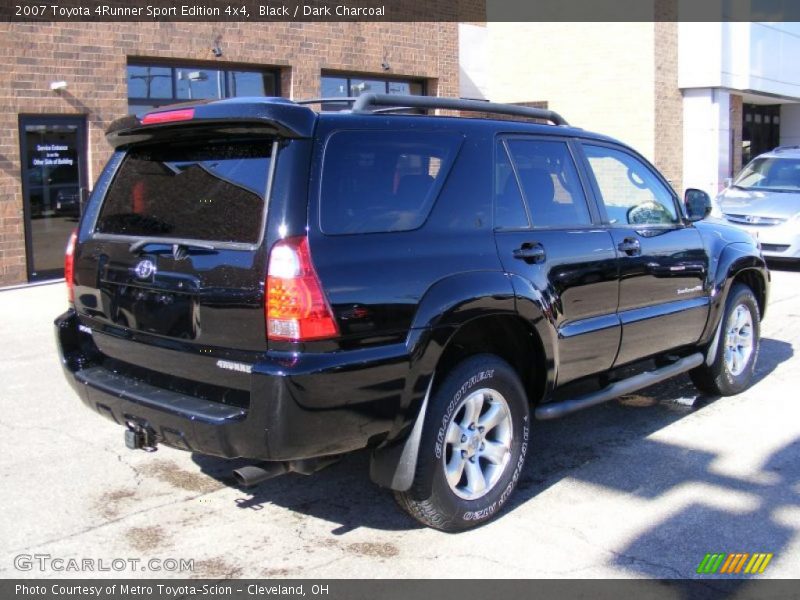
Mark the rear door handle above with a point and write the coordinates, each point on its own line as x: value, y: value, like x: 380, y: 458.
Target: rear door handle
x: 630, y: 246
x: 530, y: 252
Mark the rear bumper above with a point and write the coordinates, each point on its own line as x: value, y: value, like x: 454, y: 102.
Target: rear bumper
x: 300, y: 407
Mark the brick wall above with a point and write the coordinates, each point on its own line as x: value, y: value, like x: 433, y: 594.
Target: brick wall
x: 737, y: 118
x: 596, y: 75
x: 620, y: 79
x: 668, y: 138
x: 91, y: 58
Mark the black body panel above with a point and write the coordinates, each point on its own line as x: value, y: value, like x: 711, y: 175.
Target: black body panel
x: 183, y: 351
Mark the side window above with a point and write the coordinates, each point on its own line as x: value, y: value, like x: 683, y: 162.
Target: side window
x: 382, y: 181
x: 509, y: 211
x: 630, y: 191
x: 550, y: 183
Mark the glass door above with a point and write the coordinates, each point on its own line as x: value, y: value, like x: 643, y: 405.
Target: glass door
x: 761, y: 130
x: 53, y: 156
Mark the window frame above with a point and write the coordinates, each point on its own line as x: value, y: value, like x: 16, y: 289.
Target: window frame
x: 598, y: 196
x: 577, y: 160
x: 501, y: 146
x: 173, y: 66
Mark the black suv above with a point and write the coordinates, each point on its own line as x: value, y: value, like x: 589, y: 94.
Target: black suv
x: 252, y: 278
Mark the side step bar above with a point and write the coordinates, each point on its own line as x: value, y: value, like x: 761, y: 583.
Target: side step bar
x: 619, y: 388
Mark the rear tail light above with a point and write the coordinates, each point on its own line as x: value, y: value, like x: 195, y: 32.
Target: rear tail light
x: 296, y: 306
x: 69, y: 266
x: 168, y: 116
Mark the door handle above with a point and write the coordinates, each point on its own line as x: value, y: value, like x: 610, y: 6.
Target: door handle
x: 630, y: 246
x: 531, y: 253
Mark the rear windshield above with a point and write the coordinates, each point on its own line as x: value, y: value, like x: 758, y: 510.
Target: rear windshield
x: 213, y: 192
x: 381, y: 181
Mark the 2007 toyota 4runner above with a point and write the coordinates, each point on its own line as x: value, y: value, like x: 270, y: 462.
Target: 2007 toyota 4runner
x: 252, y: 278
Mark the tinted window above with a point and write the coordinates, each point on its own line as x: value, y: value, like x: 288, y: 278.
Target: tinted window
x: 380, y: 181
x: 550, y: 183
x: 630, y: 191
x: 509, y: 212
x: 344, y: 85
x: 194, y: 83
x: 149, y: 82
x: 152, y: 86
x: 251, y: 83
x: 214, y: 192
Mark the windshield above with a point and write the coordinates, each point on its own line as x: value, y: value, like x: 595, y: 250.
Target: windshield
x: 213, y: 192
x: 775, y: 174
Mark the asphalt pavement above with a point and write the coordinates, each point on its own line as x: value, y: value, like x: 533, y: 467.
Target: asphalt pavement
x: 641, y: 487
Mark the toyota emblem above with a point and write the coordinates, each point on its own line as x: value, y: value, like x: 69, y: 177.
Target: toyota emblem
x: 145, y: 269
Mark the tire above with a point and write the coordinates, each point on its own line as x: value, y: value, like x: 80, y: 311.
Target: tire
x: 493, y: 451
x: 734, y: 364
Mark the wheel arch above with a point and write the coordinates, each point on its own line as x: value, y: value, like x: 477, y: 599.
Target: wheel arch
x: 460, y: 316
x: 755, y: 280
x: 507, y: 336
x: 736, y: 264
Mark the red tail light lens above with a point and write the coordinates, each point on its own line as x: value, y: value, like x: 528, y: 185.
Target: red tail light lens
x: 69, y: 266
x: 168, y: 116
x: 296, y: 306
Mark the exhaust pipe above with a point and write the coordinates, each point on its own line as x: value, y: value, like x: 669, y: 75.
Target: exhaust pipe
x: 253, y: 475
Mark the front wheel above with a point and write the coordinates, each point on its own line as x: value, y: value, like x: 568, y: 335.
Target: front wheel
x: 733, y: 368
x: 473, y: 446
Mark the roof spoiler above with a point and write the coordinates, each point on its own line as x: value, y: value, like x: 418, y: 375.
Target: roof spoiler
x: 239, y: 116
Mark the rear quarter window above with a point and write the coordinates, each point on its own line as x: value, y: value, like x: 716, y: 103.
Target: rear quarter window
x: 382, y: 181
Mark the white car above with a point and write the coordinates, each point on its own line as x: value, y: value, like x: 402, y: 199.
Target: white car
x: 765, y: 200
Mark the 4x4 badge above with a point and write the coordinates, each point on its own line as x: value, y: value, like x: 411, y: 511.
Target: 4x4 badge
x: 145, y: 269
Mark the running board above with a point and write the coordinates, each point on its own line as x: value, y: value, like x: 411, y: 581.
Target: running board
x: 619, y: 388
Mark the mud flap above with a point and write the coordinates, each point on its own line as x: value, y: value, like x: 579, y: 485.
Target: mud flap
x: 393, y: 466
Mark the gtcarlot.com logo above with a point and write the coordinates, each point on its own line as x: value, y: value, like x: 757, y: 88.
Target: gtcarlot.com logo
x: 48, y: 562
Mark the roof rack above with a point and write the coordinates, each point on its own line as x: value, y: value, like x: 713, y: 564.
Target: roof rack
x: 337, y: 100
x: 365, y: 103
x: 349, y: 100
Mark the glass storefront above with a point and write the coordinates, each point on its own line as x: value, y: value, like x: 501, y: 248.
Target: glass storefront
x: 53, y: 175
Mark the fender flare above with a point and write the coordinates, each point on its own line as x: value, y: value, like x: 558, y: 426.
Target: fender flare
x: 734, y: 259
x: 447, y: 306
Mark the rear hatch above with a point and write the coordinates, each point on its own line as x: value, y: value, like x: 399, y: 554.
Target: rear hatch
x: 170, y: 266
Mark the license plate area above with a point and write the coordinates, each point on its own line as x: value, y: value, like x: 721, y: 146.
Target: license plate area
x: 153, y: 311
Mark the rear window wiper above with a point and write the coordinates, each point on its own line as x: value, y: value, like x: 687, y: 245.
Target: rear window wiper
x: 138, y: 245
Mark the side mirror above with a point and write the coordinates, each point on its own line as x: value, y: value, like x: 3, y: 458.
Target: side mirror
x: 698, y: 204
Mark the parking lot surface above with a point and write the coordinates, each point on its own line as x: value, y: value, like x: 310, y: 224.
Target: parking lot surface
x: 643, y: 486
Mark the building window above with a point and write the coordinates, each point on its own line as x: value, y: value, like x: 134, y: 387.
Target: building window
x: 151, y: 84
x: 344, y: 86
